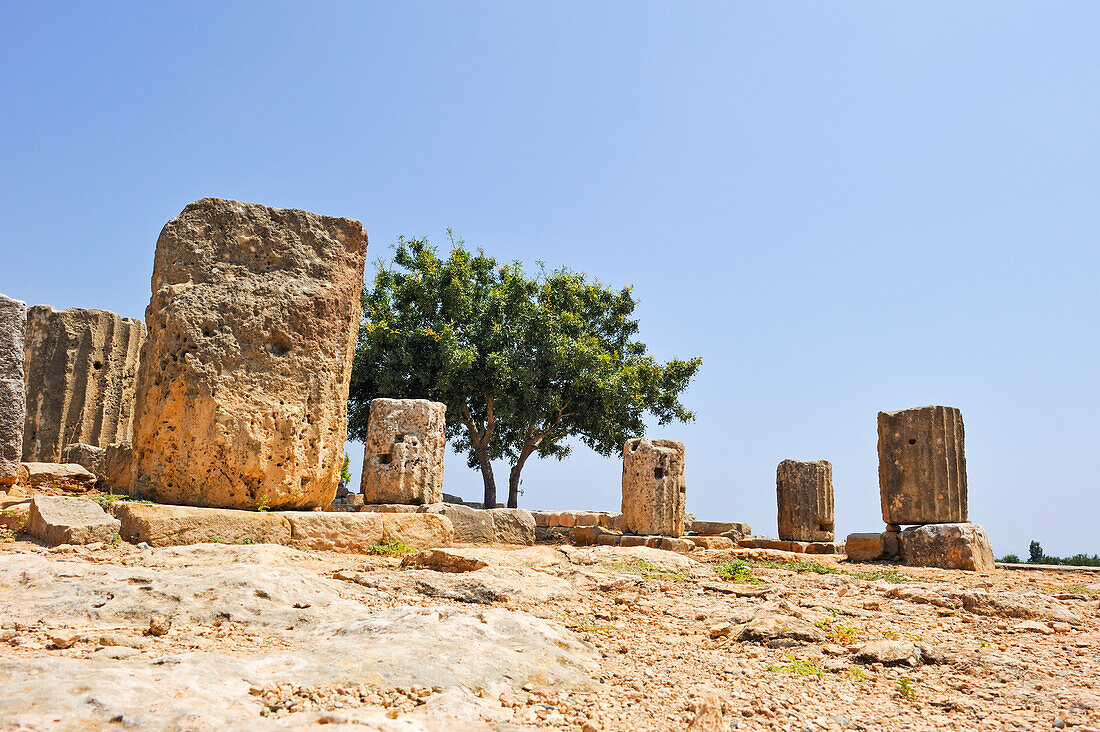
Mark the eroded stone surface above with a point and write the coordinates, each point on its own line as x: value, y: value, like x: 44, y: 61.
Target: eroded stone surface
x: 403, y: 454
x: 922, y: 466
x: 81, y: 366
x: 471, y: 525
x: 328, y: 531
x: 64, y: 520
x: 56, y: 476
x: 243, y: 382
x: 89, y: 457
x: 866, y: 547
x: 950, y: 546
x: 13, y: 402
x: 653, y: 487
x: 804, y: 494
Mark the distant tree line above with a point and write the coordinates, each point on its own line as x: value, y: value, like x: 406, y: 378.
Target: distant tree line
x: 1036, y: 555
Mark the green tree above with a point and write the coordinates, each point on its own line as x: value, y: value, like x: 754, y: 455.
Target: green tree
x: 1035, y: 553
x: 345, y: 472
x: 522, y: 362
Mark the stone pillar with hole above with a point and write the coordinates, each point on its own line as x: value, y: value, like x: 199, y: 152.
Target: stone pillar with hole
x: 804, y: 494
x: 403, y: 456
x: 922, y: 466
x: 653, y: 487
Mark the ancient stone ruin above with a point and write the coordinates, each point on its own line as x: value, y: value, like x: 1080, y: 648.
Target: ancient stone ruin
x: 13, y: 326
x: 80, y: 371
x: 922, y: 466
x: 243, y: 383
x: 653, y: 487
x: 403, y: 458
x: 804, y: 494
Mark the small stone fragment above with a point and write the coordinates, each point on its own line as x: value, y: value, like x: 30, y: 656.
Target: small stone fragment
x: 159, y: 625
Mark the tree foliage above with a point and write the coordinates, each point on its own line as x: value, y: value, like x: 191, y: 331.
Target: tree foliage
x: 522, y: 362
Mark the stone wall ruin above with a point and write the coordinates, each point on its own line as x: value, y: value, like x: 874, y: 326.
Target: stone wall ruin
x: 80, y: 369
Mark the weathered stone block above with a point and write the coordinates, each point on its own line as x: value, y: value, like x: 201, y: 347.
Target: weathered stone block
x: 680, y: 546
x: 712, y: 542
x: 418, y: 530
x: 653, y: 487
x: 81, y: 367
x: 322, y: 531
x: 118, y: 466
x: 60, y: 476
x: 389, y: 507
x: 403, y: 454
x: 161, y: 525
x: 90, y: 457
x: 243, y: 383
x: 13, y: 401
x: 471, y: 525
x: 63, y: 520
x: 720, y: 528
x: 512, y: 526
x: 949, y: 546
x: 922, y: 466
x: 14, y: 514
x: 863, y: 547
x: 804, y: 495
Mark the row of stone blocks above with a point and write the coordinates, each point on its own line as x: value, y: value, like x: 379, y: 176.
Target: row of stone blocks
x: 78, y: 520
x: 471, y: 525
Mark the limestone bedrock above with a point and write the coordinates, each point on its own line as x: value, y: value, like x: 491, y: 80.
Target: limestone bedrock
x: 653, y: 487
x: 403, y: 452
x: 13, y: 327
x: 243, y: 383
x: 80, y: 370
x: 922, y: 466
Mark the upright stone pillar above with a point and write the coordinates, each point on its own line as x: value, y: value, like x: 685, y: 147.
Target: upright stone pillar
x: 804, y: 494
x: 922, y: 466
x: 81, y: 366
x: 403, y: 459
x: 13, y: 327
x: 653, y: 487
x: 243, y: 384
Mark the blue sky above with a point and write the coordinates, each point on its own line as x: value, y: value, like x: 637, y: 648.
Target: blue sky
x: 842, y: 207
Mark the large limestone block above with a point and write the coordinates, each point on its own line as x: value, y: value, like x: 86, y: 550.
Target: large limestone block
x: 418, y: 530
x: 718, y: 528
x: 471, y: 525
x: 327, y: 531
x: 653, y: 487
x: 160, y: 525
x: 864, y: 547
x: 922, y: 466
x: 403, y: 455
x: 243, y: 383
x: 63, y: 520
x: 90, y: 457
x: 81, y: 367
x: 804, y: 494
x: 13, y: 402
x: 949, y: 546
x: 59, y: 476
x: 513, y: 526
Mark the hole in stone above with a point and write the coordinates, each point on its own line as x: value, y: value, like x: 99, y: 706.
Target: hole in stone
x: 825, y: 526
x: 912, y: 442
x: 658, y: 473
x: 385, y: 459
x: 399, y: 438
x: 97, y: 365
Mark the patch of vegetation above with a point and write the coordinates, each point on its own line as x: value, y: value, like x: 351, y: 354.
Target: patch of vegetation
x: 856, y: 674
x: 802, y: 566
x: 797, y: 666
x: 839, y: 633
x: 215, y: 540
x: 110, y: 498
x: 1075, y: 588
x: 1036, y: 555
x: 583, y: 624
x: 906, y: 690
x: 389, y: 548
x: 115, y: 539
x: 890, y: 635
x: 1010, y: 559
x: 21, y: 524
x: 263, y: 506
x: 6, y: 535
x: 737, y: 571
x: 648, y: 570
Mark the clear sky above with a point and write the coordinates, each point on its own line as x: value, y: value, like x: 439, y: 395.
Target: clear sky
x: 842, y: 207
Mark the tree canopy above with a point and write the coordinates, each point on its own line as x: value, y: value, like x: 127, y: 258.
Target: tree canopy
x: 522, y: 362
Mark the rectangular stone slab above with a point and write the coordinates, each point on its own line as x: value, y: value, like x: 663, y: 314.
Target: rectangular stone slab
x: 243, y: 383
x: 161, y: 525
x: 63, y: 520
x: 13, y: 402
x: 922, y: 466
x: 804, y: 496
x: 325, y: 531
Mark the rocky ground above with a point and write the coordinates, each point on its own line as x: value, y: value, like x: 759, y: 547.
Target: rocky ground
x: 241, y: 637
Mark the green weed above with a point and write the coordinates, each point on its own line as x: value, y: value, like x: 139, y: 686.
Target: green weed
x: 856, y: 674
x: 389, y: 548
x: 906, y: 689
x: 647, y: 570
x: 797, y: 666
x: 737, y: 571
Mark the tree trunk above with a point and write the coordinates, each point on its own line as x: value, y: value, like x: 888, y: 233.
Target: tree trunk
x: 513, y: 476
x: 488, y: 478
